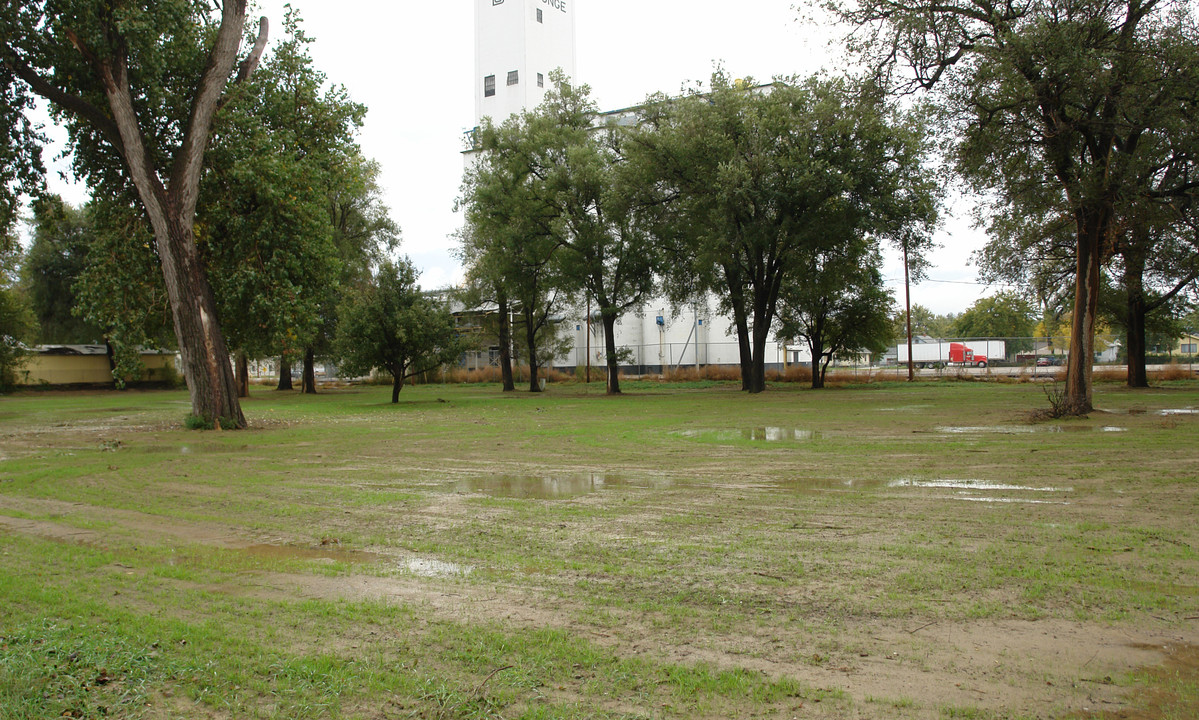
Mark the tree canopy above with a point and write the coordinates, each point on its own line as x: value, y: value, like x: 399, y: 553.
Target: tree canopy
x: 391, y: 325
x: 756, y: 175
x: 1061, y: 101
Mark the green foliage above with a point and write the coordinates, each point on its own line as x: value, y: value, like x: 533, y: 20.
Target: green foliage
x: 55, y: 261
x: 514, y: 220
x: 838, y: 304
x: 760, y: 175
x: 1003, y: 315
x: 195, y: 422
x: 120, y: 288
x: 18, y: 325
x: 391, y: 325
x: 281, y: 148
x: 927, y: 322
x: 1075, y: 118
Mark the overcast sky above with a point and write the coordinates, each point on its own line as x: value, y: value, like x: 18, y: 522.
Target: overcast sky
x: 411, y: 63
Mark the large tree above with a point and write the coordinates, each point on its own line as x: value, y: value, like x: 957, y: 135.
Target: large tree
x: 604, y: 200
x: 138, y: 85
x: 1060, y: 92
x: 756, y: 174
x: 514, y: 225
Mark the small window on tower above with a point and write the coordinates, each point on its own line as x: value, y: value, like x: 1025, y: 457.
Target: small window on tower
x: 540, y: 80
x: 513, y: 77
x: 540, y: 17
x: 489, y: 86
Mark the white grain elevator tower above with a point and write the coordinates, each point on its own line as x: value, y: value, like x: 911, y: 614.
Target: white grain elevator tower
x: 517, y: 44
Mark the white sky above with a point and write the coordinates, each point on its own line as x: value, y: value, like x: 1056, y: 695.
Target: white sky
x: 411, y: 63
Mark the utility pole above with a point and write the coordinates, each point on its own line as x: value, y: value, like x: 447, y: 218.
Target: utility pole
x: 907, y: 298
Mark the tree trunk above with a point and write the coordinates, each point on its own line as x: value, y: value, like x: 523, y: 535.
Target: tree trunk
x: 531, y: 340
x: 397, y: 384
x: 744, y: 350
x: 243, y: 375
x: 1136, y: 311
x: 1138, y: 375
x: 758, y: 359
x: 1080, y: 365
x: 284, y: 373
x: 613, y: 362
x: 308, y: 380
x: 505, y: 341
x: 111, y: 353
x: 816, y: 347
x: 206, y: 364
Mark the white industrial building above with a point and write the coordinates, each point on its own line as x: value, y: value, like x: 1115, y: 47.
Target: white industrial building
x: 517, y: 44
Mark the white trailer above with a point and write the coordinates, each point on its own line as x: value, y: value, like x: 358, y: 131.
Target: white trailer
x: 973, y: 353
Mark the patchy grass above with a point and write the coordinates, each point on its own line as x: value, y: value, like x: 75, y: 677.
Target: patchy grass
x: 684, y: 550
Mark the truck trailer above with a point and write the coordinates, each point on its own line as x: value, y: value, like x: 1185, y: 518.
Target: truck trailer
x: 977, y: 353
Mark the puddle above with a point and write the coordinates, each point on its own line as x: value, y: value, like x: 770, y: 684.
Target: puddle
x: 968, y: 484
x: 1023, y: 429
x: 437, y: 568
x: 1020, y: 501
x: 758, y: 434
x: 192, y: 449
x: 555, y: 487
x: 1178, y: 411
x: 826, y: 484
x: 295, y: 552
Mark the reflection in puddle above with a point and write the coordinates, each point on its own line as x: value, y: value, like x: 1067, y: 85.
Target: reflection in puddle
x: 967, y: 484
x: 759, y: 434
x: 1023, y: 429
x: 425, y: 567
x: 1179, y: 411
x: 293, y: 552
x: 551, y: 487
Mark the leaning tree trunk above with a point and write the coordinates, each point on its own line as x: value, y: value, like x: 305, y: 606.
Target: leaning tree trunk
x: 284, y: 373
x: 243, y: 375
x: 308, y: 381
x: 397, y: 384
x: 1079, y: 367
x: 613, y: 362
x: 505, y: 339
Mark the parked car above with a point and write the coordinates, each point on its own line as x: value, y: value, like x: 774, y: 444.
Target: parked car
x: 1048, y: 360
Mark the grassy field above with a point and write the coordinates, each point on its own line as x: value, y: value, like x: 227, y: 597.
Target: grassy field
x: 682, y: 551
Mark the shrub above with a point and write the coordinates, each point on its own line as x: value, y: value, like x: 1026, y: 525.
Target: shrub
x: 1174, y: 371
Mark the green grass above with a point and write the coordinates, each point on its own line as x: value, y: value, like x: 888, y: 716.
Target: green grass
x: 636, y: 556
